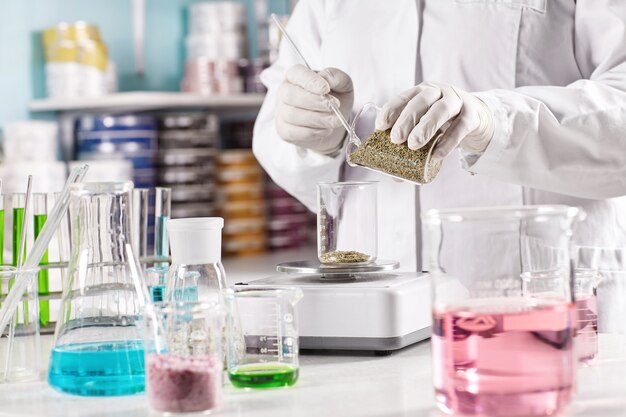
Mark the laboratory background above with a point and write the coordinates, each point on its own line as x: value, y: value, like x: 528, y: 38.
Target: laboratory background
x: 237, y: 208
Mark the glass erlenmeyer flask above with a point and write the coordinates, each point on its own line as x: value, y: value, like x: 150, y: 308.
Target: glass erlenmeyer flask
x: 98, y: 347
x: 196, y: 273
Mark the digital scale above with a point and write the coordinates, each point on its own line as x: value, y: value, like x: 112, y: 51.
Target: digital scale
x: 369, y: 307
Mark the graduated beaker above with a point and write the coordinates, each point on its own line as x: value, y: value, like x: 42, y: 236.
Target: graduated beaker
x: 183, y: 345
x: 498, y: 350
x: 347, y: 222
x: 585, y: 292
x: 378, y: 153
x: 98, y: 346
x: 267, y: 319
x: 546, y: 284
x: 19, y: 358
x: 603, y: 378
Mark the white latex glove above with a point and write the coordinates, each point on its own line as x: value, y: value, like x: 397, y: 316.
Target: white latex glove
x: 303, y: 114
x: 419, y: 113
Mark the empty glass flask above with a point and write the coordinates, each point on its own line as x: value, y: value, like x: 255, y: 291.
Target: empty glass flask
x: 196, y: 273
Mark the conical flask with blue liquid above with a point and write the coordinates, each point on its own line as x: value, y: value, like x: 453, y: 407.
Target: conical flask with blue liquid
x: 98, y: 348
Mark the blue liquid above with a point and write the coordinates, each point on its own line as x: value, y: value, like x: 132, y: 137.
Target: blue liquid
x: 161, y: 244
x: 157, y: 293
x: 185, y: 294
x: 98, y: 369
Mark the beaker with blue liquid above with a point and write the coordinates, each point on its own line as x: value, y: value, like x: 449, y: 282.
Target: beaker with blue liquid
x: 98, y: 348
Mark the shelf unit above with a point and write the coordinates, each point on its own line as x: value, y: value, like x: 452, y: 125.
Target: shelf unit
x: 135, y: 101
x: 148, y: 100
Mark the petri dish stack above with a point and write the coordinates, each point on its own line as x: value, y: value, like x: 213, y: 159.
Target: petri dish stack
x: 186, y: 161
x: 215, y: 43
x: 131, y: 137
x: 241, y: 188
x: 290, y: 224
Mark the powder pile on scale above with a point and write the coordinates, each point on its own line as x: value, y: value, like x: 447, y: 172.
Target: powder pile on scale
x: 344, y: 257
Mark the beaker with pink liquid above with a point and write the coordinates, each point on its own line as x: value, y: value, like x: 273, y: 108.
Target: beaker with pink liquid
x: 497, y: 349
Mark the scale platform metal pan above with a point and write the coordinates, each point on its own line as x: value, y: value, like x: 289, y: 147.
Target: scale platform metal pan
x: 314, y: 267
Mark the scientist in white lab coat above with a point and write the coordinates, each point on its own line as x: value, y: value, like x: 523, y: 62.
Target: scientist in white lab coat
x: 535, y: 91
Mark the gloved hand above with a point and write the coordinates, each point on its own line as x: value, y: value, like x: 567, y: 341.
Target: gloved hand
x: 419, y: 113
x: 303, y: 114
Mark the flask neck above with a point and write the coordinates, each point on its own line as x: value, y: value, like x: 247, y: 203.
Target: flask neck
x: 101, y: 226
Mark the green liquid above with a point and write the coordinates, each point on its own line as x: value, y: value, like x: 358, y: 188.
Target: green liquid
x: 18, y: 224
x: 44, y: 305
x: 263, y: 375
x: 1, y: 237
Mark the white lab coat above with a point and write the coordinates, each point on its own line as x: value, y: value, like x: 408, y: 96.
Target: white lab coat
x: 552, y: 71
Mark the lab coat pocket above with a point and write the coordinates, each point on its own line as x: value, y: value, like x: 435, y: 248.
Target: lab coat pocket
x: 537, y: 5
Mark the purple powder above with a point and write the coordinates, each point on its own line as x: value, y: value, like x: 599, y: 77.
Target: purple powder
x: 182, y: 384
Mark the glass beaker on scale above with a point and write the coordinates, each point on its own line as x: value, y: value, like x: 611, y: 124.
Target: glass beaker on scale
x: 347, y: 233
x: 348, y: 284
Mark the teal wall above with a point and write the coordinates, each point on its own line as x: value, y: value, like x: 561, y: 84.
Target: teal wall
x: 21, y: 56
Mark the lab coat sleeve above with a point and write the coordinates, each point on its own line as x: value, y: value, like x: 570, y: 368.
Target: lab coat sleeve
x: 569, y: 140
x: 295, y: 169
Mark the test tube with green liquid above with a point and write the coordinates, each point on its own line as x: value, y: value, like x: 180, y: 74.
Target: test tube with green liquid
x: 19, y: 201
x: 1, y: 230
x: 19, y: 204
x: 40, y: 215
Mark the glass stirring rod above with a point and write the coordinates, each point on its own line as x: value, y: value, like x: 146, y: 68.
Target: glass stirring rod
x: 332, y: 105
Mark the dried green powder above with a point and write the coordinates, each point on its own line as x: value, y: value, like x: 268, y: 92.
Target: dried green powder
x: 344, y: 257
x: 379, y: 153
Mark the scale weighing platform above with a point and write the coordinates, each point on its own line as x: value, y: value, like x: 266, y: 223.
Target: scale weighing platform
x: 367, y: 307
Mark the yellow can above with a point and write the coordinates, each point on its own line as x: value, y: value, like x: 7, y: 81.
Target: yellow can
x: 63, y: 51
x: 77, y: 31
x: 55, y: 34
x: 84, y: 31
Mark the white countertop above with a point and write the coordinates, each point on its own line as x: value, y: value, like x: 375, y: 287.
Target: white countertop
x: 394, y: 386
x: 349, y: 385
x: 328, y: 386
x: 244, y: 269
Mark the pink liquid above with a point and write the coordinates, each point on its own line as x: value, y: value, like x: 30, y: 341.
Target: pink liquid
x: 183, y: 384
x: 504, y: 360
x: 586, y: 339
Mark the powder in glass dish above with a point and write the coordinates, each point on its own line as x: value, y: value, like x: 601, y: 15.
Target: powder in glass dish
x: 378, y: 152
x: 183, y: 384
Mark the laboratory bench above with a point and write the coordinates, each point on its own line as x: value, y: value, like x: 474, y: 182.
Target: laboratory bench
x: 338, y: 384
x: 345, y: 385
